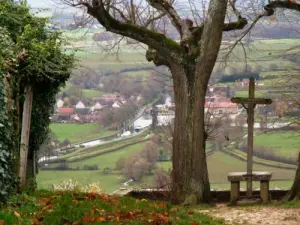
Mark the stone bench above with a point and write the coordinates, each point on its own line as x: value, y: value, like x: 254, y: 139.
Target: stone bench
x: 236, y: 177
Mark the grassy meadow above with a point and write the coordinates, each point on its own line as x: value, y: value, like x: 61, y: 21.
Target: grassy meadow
x: 109, y: 183
x: 77, y: 133
x: 285, y: 144
x: 219, y: 165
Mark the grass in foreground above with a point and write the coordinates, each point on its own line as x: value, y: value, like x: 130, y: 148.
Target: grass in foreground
x: 50, y: 208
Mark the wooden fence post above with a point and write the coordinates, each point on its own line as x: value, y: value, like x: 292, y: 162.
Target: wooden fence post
x: 26, y: 119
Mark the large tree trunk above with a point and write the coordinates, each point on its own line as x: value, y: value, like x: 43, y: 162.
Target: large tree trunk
x: 294, y: 193
x: 190, y: 183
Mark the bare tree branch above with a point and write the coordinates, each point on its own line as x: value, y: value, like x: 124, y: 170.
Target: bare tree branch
x: 166, y: 7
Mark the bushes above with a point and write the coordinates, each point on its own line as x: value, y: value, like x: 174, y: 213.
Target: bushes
x: 88, y: 167
x: 68, y: 166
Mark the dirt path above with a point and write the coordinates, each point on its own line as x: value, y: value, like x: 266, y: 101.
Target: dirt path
x: 255, y: 215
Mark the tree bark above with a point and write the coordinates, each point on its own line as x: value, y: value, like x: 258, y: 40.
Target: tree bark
x: 294, y: 193
x: 190, y: 183
x: 180, y: 129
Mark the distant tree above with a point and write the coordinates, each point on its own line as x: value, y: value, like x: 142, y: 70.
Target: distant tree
x: 120, y: 164
x: 75, y: 92
x: 150, y: 155
x: 162, y: 179
x: 154, y: 113
x: 139, y: 169
x: 66, y: 142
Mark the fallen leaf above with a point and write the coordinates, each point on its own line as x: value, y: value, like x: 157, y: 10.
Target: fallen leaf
x: 99, y: 219
x: 194, y: 223
x: 48, y: 207
x: 162, y: 205
x: 175, y: 209
x: 17, y: 214
x: 190, y: 213
x: 2, y: 222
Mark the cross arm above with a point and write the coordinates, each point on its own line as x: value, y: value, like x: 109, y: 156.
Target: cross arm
x: 261, y: 101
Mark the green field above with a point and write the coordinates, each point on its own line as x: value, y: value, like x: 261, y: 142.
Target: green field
x: 245, y: 94
x: 91, y: 93
x: 219, y: 165
x: 286, y: 144
x: 77, y: 133
x: 109, y: 183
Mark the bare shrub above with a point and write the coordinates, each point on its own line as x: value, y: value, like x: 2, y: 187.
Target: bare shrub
x: 162, y: 179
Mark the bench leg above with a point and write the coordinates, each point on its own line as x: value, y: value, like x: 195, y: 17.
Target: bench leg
x: 235, y: 191
x: 264, y: 190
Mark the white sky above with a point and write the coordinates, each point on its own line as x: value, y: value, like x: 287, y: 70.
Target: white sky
x: 40, y: 3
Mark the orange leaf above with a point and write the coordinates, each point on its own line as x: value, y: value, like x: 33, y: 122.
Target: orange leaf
x: 162, y: 205
x: 194, y: 223
x: 17, y: 214
x: 99, y: 219
x: 2, y: 222
x: 88, y: 219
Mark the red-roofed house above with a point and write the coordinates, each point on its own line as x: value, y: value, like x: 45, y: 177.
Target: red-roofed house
x: 65, y: 113
x: 221, y: 106
x: 110, y: 97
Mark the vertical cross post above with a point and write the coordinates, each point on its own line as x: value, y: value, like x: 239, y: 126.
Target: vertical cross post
x: 250, y: 112
x: 251, y: 101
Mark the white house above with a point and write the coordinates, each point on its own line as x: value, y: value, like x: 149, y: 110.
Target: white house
x: 80, y: 105
x: 59, y: 103
x: 139, y: 98
x: 116, y: 105
x: 97, y: 107
x: 75, y: 117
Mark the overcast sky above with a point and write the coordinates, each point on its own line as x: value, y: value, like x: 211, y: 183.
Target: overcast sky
x: 40, y: 3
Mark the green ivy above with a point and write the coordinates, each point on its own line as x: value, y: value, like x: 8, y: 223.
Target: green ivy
x: 7, y: 175
x: 35, y: 57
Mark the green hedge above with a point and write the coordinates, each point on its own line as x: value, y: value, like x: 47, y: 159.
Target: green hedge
x: 8, y: 179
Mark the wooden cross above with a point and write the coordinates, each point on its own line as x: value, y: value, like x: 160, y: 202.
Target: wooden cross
x: 251, y: 101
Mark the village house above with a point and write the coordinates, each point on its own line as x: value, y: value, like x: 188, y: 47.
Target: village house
x: 64, y: 113
x: 110, y: 97
x: 91, y: 118
x: 219, y: 106
x: 59, y: 103
x: 116, y: 105
x: 245, y: 82
x: 139, y: 98
x: 80, y: 108
x: 97, y: 107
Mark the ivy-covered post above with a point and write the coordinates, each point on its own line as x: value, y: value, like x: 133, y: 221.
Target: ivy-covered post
x: 25, y: 135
